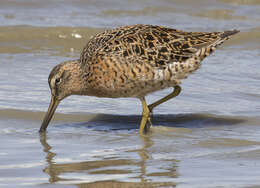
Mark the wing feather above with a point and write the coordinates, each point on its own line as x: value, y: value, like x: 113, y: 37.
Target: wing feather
x: 155, y: 45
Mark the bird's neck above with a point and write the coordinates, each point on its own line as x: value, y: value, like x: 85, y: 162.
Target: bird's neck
x: 77, y: 78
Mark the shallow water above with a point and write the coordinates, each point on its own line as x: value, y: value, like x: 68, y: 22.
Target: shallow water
x: 209, y: 136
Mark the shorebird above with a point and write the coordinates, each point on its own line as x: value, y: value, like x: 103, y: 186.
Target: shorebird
x: 132, y: 61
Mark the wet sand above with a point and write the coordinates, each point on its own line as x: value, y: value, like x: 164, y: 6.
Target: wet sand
x: 209, y: 136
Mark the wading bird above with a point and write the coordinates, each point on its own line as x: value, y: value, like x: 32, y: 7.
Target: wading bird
x: 132, y: 61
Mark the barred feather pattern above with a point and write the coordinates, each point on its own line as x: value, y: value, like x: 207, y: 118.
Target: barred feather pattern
x: 133, y: 61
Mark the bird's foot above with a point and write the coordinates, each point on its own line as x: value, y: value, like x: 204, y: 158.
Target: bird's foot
x: 148, y: 124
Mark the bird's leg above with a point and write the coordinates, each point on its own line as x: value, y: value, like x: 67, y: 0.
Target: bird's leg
x: 175, y: 93
x: 145, y: 116
x: 148, y: 109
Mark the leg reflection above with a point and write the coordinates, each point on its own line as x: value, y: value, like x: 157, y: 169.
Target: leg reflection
x: 144, y: 155
x: 149, y: 174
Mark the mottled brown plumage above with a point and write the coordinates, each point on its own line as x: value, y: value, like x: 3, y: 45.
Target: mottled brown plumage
x: 133, y: 61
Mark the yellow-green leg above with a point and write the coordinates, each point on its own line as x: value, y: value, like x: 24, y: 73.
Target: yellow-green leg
x: 145, y: 116
x: 175, y: 93
x: 148, y: 109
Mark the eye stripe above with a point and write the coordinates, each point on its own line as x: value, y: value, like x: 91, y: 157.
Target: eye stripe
x: 63, y: 74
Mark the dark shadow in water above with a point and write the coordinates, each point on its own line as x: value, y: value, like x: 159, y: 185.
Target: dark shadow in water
x: 95, y: 167
x: 107, y: 122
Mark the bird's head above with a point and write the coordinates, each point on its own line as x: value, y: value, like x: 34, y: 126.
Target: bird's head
x: 64, y: 80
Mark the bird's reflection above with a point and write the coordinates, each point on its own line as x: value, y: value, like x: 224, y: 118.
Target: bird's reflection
x: 49, y: 159
x: 146, y: 178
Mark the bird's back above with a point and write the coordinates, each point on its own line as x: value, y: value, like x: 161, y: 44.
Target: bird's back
x: 133, y: 61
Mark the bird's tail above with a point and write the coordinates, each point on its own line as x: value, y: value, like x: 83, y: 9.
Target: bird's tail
x: 207, y: 50
x: 226, y: 34
x: 193, y: 63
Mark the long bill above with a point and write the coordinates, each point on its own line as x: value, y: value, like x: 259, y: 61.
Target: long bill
x: 53, y: 105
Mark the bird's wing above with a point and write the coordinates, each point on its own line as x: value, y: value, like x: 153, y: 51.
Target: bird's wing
x: 155, y: 45
x: 162, y: 45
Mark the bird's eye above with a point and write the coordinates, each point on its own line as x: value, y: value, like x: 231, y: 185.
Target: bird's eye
x: 57, y: 81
